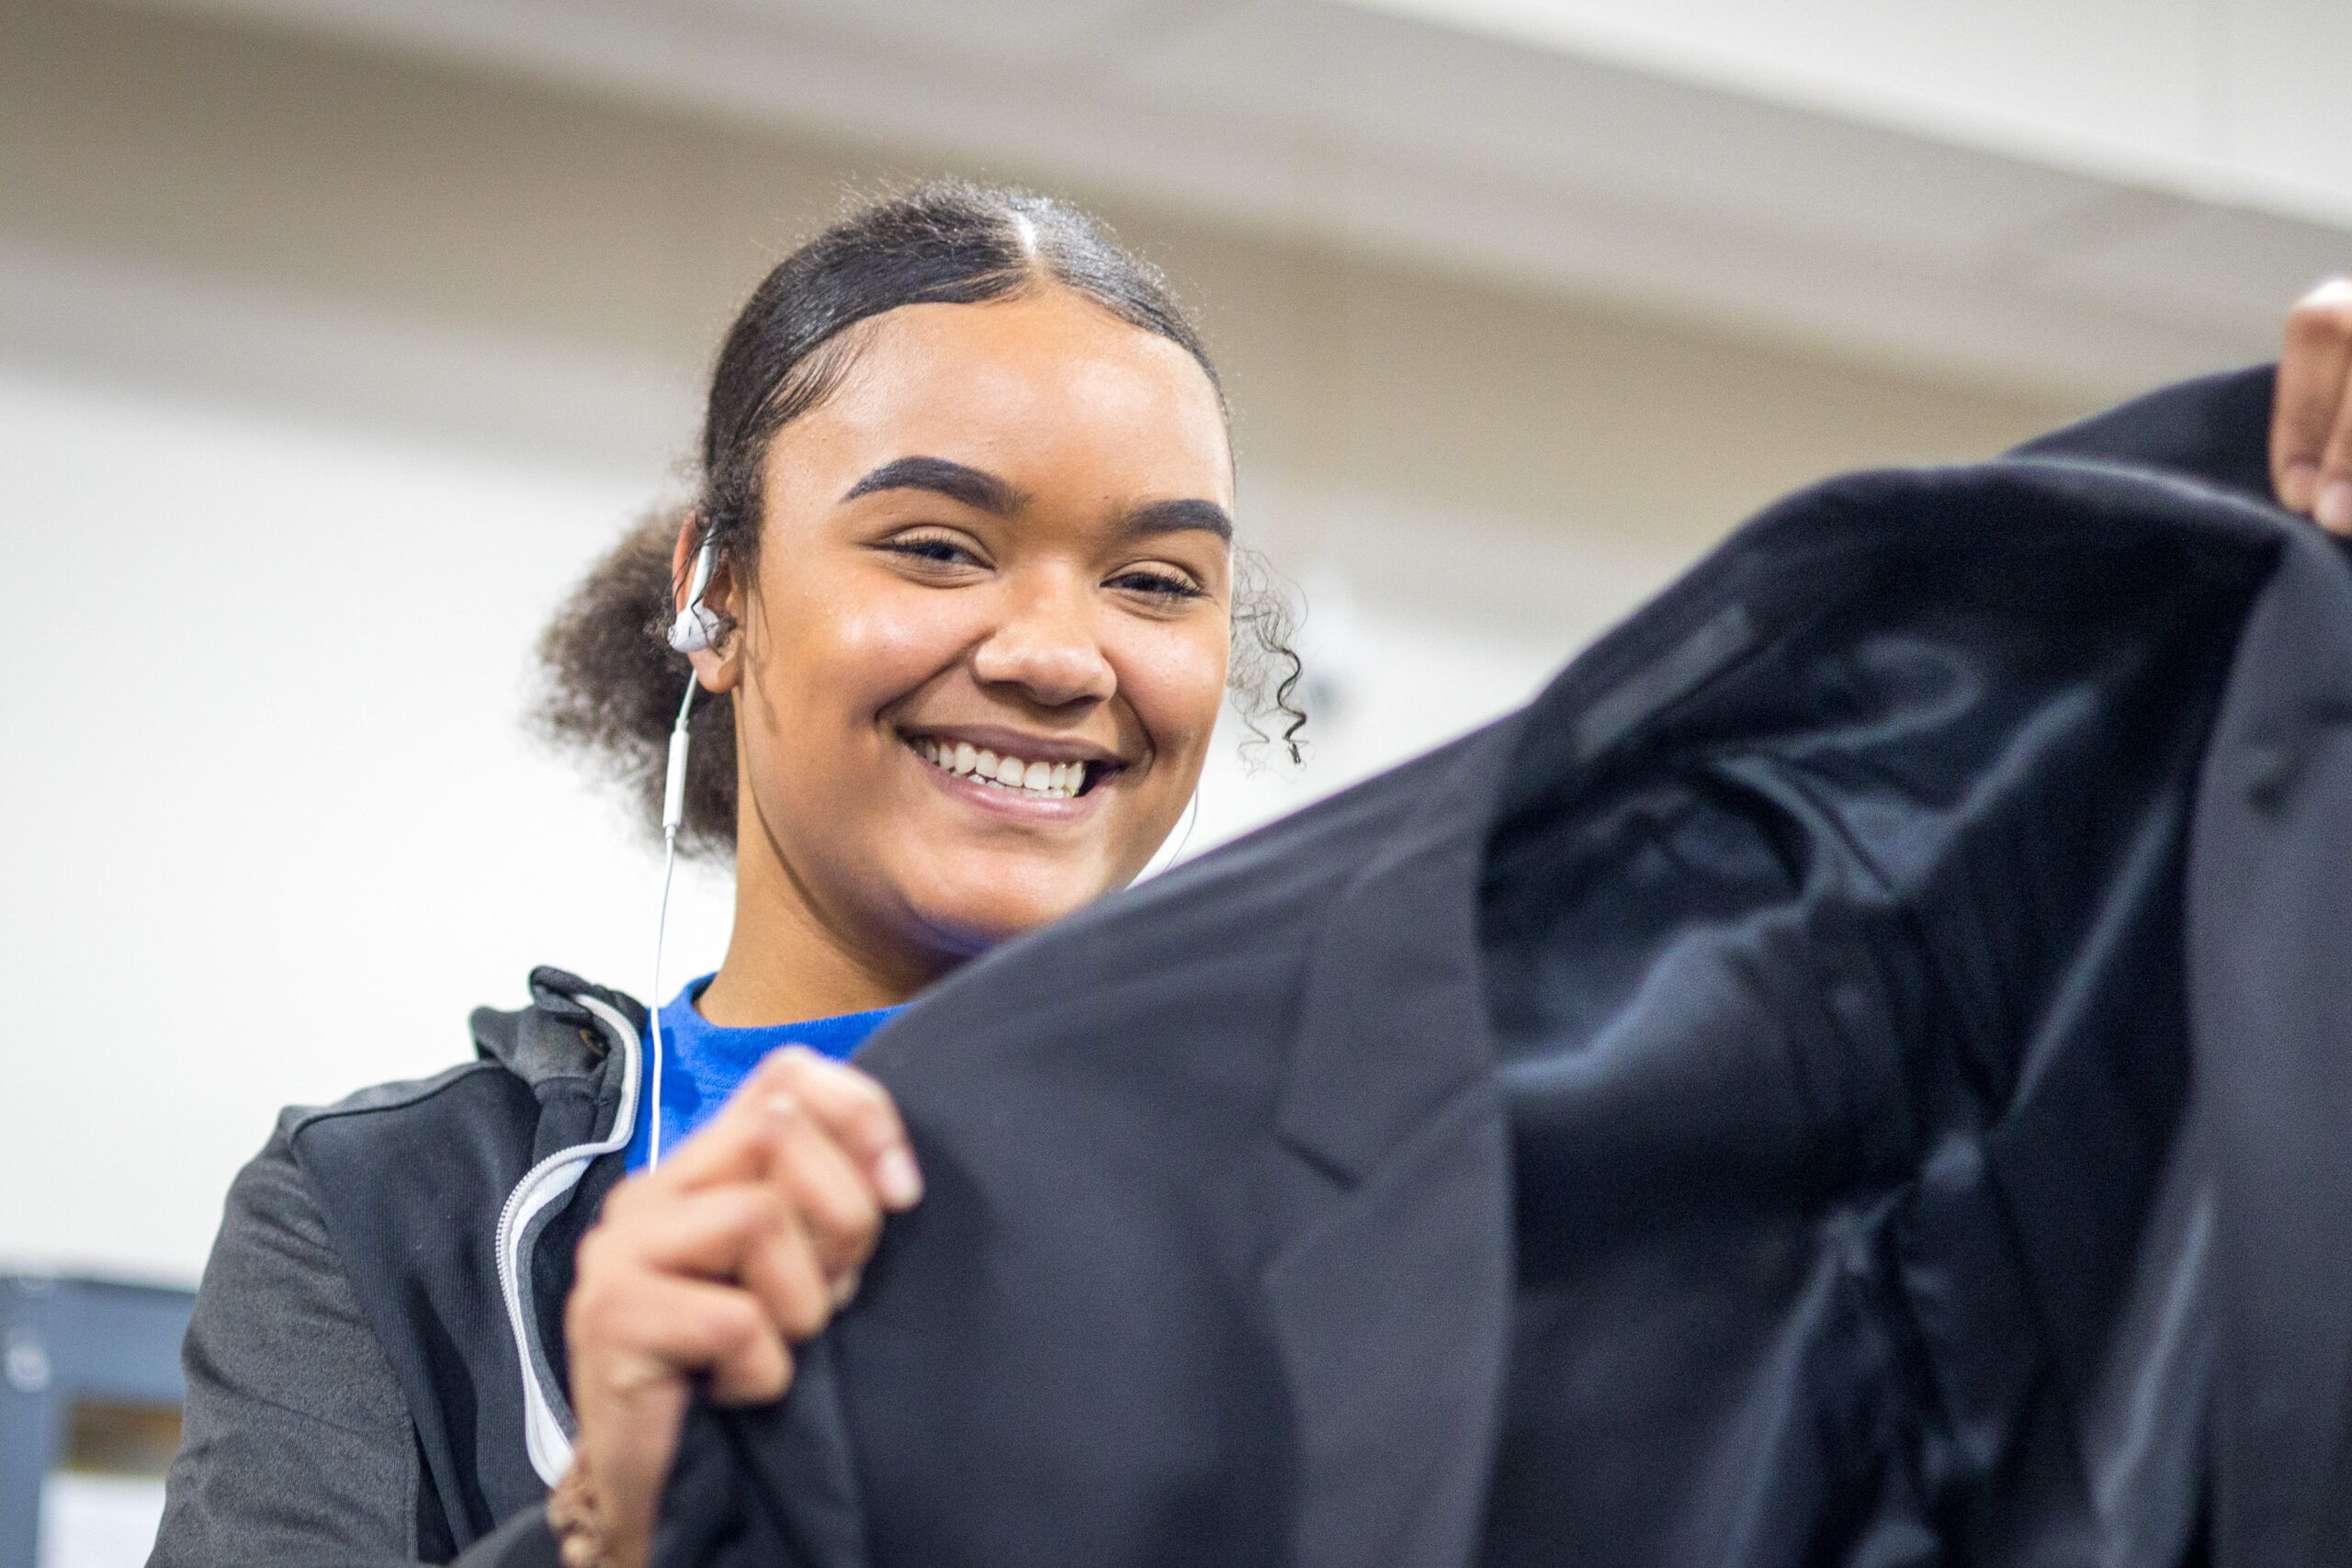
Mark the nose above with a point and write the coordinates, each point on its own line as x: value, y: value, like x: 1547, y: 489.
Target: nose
x: 1045, y: 648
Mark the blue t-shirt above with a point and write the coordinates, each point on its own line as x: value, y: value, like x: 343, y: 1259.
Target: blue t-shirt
x: 702, y: 1063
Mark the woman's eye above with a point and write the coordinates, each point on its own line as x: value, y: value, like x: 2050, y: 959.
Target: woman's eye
x: 933, y: 549
x: 1160, y: 584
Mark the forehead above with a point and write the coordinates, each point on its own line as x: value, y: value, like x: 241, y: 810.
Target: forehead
x: 1046, y: 391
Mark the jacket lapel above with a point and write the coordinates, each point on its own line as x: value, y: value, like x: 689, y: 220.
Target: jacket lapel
x: 1391, y: 1306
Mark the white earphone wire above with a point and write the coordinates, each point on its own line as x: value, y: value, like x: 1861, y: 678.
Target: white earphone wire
x: 672, y: 813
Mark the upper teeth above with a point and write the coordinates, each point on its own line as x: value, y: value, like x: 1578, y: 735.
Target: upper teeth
x: 961, y: 757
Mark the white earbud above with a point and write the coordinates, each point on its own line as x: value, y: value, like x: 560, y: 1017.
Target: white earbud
x: 696, y: 627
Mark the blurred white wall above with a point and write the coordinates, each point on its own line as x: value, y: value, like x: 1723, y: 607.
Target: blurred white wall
x: 326, y: 367
x: 2081, y: 194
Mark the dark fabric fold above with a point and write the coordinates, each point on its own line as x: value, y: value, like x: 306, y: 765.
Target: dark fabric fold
x: 1853, y: 1073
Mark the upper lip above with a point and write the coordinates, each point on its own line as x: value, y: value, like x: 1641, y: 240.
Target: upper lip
x: 1012, y: 743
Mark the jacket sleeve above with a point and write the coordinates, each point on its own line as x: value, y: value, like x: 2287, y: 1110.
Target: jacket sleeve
x: 297, y: 1446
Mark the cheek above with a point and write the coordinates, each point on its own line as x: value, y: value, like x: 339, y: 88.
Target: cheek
x: 1175, y: 682
x: 853, y: 651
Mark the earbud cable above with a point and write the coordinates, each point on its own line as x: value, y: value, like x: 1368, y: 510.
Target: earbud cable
x: 673, y: 800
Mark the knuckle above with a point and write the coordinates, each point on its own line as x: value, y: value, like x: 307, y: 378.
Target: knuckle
x: 769, y: 1212
x: 865, y: 1085
x: 759, y: 1374
x: 848, y: 1239
x: 806, y: 1313
x: 860, y: 1217
x: 787, y: 1063
x: 872, y: 1120
x: 780, y: 1113
x: 735, y: 1321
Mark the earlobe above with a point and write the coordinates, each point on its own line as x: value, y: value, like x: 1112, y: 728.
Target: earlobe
x: 718, y: 668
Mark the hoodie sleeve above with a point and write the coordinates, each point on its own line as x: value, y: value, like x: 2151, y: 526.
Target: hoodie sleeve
x: 297, y: 1446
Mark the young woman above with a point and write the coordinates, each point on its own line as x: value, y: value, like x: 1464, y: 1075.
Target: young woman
x: 967, y: 494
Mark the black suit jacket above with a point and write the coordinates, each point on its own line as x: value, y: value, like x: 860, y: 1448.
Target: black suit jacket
x: 1855, y: 1072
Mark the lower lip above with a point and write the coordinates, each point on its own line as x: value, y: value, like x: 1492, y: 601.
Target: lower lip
x: 1020, y: 804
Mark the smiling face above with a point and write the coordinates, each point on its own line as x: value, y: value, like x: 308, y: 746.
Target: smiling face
x: 978, y: 669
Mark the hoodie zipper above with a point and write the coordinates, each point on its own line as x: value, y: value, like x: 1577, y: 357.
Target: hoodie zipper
x: 545, y: 1433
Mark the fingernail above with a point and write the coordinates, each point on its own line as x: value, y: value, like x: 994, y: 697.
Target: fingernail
x: 845, y: 1289
x: 900, y: 1182
x: 2297, y: 486
x: 2335, y: 507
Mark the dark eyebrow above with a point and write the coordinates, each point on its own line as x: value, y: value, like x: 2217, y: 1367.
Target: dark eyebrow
x: 973, y: 487
x: 1176, y: 516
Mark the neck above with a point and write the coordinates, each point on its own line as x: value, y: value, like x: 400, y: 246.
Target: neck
x: 787, y: 962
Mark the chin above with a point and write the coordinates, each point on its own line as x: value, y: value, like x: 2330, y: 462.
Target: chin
x: 977, y: 917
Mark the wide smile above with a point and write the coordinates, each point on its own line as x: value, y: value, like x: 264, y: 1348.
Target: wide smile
x: 1015, y: 776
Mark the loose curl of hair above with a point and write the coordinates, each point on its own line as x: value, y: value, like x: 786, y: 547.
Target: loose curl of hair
x: 614, y: 683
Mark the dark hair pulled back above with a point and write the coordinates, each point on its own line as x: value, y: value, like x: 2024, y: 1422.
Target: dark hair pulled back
x: 614, y: 683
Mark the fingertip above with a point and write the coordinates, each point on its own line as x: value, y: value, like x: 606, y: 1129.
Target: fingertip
x: 899, y: 1178
x: 2335, y: 509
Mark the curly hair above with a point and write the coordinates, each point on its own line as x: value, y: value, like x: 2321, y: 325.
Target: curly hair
x: 612, y: 683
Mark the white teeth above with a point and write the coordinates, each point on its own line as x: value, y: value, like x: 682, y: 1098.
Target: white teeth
x: 1066, y: 780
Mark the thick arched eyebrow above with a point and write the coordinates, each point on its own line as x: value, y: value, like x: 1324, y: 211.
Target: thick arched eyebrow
x: 1178, y: 516
x: 956, y: 481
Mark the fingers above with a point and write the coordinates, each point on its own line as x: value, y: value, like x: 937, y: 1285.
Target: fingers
x: 860, y: 1113
x: 745, y: 1241
x: 746, y: 1234
x: 637, y: 1333
x: 748, y: 1137
x: 834, y: 1201
x: 2310, y: 432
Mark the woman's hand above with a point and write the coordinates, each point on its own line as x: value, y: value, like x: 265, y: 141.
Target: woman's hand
x: 741, y: 1244
x: 2311, y: 431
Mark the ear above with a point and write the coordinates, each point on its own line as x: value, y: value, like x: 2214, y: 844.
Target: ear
x: 719, y: 668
